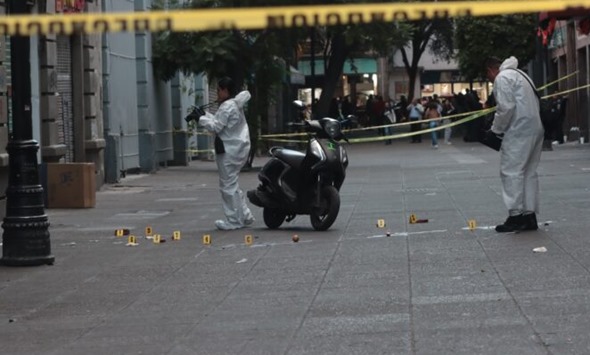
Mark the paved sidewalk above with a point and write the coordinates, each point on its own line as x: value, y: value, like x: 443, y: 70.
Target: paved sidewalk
x: 429, y: 288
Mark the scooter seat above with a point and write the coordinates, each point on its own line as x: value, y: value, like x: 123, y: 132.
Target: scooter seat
x: 292, y: 157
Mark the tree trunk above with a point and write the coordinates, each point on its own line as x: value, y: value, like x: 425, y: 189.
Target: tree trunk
x: 412, y: 73
x: 340, y: 52
x: 419, y: 44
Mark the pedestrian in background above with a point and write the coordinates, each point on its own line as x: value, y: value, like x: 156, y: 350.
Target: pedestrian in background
x: 432, y: 111
x: 389, y: 118
x: 415, y: 111
x: 517, y: 121
x: 448, y: 110
x: 232, y: 145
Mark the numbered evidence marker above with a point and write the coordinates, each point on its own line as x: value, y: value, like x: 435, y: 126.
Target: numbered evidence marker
x: 206, y: 239
x: 157, y: 239
x: 248, y: 239
x: 149, y: 231
x: 121, y: 232
x: 176, y: 235
x: 471, y: 224
x: 413, y: 218
x: 132, y: 241
x: 380, y: 223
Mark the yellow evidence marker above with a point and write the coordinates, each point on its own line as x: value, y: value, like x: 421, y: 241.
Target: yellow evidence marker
x: 471, y: 224
x: 157, y: 239
x: 148, y: 231
x: 206, y: 239
x: 248, y: 239
x: 176, y: 235
x: 413, y: 218
x: 380, y: 223
x: 131, y: 240
x: 121, y: 232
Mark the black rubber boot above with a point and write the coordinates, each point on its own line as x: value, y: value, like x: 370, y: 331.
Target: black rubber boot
x: 530, y: 222
x: 512, y: 224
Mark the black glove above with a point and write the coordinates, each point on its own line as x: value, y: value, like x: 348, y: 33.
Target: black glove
x: 491, y: 135
x: 195, y: 114
x: 493, y: 140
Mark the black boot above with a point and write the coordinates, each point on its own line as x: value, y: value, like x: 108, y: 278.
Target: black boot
x: 530, y: 222
x: 512, y: 224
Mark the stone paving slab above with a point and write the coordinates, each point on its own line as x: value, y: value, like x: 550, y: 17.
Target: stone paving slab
x: 428, y: 288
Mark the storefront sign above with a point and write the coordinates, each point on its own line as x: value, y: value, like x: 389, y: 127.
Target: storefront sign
x: 69, y: 6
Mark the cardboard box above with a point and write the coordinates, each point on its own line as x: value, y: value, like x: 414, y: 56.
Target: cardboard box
x: 71, y: 185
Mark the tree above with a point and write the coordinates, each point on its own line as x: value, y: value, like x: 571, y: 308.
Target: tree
x: 343, y: 42
x: 435, y: 35
x: 499, y: 36
x: 253, y: 54
x: 249, y: 57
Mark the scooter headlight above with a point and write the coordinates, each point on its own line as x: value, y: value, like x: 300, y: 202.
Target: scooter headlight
x: 316, y: 150
x: 332, y: 128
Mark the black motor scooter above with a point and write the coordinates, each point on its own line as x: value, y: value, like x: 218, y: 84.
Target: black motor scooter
x: 304, y: 183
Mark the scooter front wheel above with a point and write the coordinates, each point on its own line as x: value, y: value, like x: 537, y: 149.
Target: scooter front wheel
x: 273, y: 217
x: 323, y: 217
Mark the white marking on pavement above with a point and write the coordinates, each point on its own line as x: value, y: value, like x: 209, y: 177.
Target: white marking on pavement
x: 275, y: 244
x: 141, y: 215
x: 480, y: 227
x: 478, y: 297
x: 179, y: 199
x: 467, y: 159
x: 405, y: 234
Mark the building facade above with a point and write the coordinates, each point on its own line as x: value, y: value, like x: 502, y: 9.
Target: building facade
x: 95, y: 99
x: 568, y: 51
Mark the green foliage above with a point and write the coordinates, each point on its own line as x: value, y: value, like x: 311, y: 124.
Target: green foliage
x: 499, y: 36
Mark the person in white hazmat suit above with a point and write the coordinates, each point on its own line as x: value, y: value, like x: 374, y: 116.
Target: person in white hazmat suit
x: 517, y: 121
x: 230, y: 127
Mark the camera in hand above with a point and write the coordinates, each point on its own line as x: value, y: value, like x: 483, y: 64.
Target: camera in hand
x: 195, y: 114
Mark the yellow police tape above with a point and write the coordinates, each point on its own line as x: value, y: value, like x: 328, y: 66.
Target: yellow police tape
x: 272, y: 137
x: 472, y: 116
x: 269, y: 17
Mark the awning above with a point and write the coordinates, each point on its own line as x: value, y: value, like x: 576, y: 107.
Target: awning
x: 357, y: 66
x: 547, y: 21
x: 441, y: 76
x: 571, y: 13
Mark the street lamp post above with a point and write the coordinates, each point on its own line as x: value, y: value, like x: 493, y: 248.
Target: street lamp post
x: 26, y: 226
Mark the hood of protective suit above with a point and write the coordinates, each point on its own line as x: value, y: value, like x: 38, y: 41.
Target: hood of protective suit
x: 242, y: 98
x: 510, y: 63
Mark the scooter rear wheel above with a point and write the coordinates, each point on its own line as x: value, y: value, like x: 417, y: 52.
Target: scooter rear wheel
x: 273, y: 217
x: 323, y: 217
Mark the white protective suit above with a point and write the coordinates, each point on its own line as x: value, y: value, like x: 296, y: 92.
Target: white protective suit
x: 517, y: 117
x: 229, y: 124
